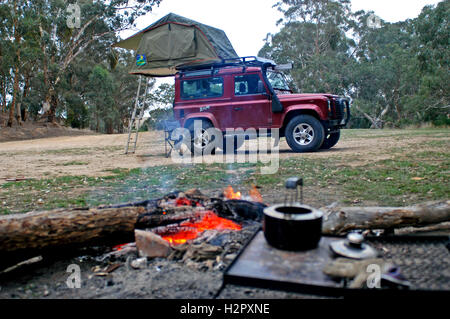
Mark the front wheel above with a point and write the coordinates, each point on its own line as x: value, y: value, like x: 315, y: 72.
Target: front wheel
x: 331, y: 140
x: 304, y: 133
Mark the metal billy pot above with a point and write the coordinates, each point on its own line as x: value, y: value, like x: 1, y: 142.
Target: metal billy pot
x: 292, y: 227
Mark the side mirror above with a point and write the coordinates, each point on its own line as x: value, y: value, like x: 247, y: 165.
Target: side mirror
x: 284, y: 67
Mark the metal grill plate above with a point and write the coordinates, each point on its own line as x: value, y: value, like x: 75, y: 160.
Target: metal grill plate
x: 424, y: 262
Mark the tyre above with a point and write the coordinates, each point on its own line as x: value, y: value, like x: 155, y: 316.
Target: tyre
x: 304, y: 133
x: 202, y: 142
x: 331, y: 140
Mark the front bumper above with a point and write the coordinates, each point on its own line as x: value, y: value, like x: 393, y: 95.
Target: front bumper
x: 341, y: 113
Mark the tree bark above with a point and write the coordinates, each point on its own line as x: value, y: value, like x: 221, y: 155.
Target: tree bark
x: 68, y: 227
x: 15, y: 92
x: 26, y: 88
x: 340, y: 220
x: 3, y: 94
x: 17, y: 39
x: 63, y: 227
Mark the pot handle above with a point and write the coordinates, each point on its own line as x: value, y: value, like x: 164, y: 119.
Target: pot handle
x: 294, y: 183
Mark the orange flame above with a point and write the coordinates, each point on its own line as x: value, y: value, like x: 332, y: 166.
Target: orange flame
x: 255, y: 194
x: 230, y: 194
x: 119, y: 247
x: 209, y: 221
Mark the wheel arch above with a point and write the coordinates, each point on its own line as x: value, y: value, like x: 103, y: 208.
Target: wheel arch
x: 203, y: 117
x: 295, y: 112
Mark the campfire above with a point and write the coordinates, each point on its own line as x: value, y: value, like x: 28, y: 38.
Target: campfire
x: 189, y: 221
x: 191, y: 230
x: 254, y: 194
x: 198, y: 217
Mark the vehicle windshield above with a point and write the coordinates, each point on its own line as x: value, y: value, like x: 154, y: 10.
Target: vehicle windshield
x: 278, y: 81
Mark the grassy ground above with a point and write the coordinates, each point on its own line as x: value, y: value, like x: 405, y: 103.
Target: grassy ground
x: 394, y: 173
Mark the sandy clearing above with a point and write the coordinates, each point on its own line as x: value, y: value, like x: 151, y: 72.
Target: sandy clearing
x: 94, y: 155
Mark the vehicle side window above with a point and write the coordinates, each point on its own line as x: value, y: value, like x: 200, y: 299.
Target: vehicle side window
x: 248, y: 84
x: 201, y: 88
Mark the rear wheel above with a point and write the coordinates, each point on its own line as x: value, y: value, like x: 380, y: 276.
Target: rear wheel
x: 331, y: 140
x: 304, y: 133
x: 202, y: 141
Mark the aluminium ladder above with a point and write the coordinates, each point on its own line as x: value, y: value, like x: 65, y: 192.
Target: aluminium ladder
x: 136, y: 118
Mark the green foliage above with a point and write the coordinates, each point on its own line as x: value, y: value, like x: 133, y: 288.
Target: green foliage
x: 396, y: 75
x: 100, y: 96
x: 161, y: 100
x: 156, y: 116
x: 57, y: 61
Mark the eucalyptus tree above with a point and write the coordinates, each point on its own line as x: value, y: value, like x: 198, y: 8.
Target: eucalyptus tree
x: 69, y: 30
x: 314, y: 38
x: 432, y: 30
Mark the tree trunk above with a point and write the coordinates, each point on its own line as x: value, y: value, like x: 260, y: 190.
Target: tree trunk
x: 340, y: 220
x: 15, y: 92
x: 53, y: 105
x: 19, y: 113
x: 24, y: 113
x: 16, y: 69
x: 62, y: 227
x: 3, y: 94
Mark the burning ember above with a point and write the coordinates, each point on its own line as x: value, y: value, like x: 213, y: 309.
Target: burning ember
x: 191, y: 230
x: 186, y: 216
x: 254, y: 194
x: 230, y: 194
x: 119, y: 247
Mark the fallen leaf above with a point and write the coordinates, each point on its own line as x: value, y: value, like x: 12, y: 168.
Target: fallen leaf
x: 101, y: 274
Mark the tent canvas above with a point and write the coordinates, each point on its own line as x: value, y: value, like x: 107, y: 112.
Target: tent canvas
x: 175, y: 41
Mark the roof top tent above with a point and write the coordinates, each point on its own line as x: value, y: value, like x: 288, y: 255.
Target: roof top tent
x: 164, y: 46
x: 174, y: 41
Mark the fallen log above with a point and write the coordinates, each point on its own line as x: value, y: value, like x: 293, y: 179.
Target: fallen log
x: 339, y: 220
x: 68, y: 227
x: 61, y: 227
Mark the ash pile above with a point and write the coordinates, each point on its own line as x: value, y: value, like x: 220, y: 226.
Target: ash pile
x: 201, y: 232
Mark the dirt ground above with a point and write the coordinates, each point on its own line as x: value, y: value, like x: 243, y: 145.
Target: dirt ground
x: 94, y: 155
x: 33, y: 130
x: 159, y: 279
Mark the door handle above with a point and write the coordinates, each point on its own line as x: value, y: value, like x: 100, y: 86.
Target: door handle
x: 238, y: 108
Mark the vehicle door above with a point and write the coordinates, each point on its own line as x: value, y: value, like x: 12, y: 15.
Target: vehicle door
x: 251, y: 106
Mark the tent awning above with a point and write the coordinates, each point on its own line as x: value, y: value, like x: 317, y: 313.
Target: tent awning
x: 175, y: 41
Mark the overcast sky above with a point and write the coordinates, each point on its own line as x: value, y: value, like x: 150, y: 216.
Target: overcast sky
x: 247, y: 22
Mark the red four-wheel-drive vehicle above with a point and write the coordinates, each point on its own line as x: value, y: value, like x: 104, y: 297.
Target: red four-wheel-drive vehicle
x: 250, y: 92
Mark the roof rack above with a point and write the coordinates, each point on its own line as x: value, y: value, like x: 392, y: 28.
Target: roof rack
x: 246, y: 61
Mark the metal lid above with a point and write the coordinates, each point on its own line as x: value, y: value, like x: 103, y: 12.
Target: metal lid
x: 353, y: 247
x: 293, y: 212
